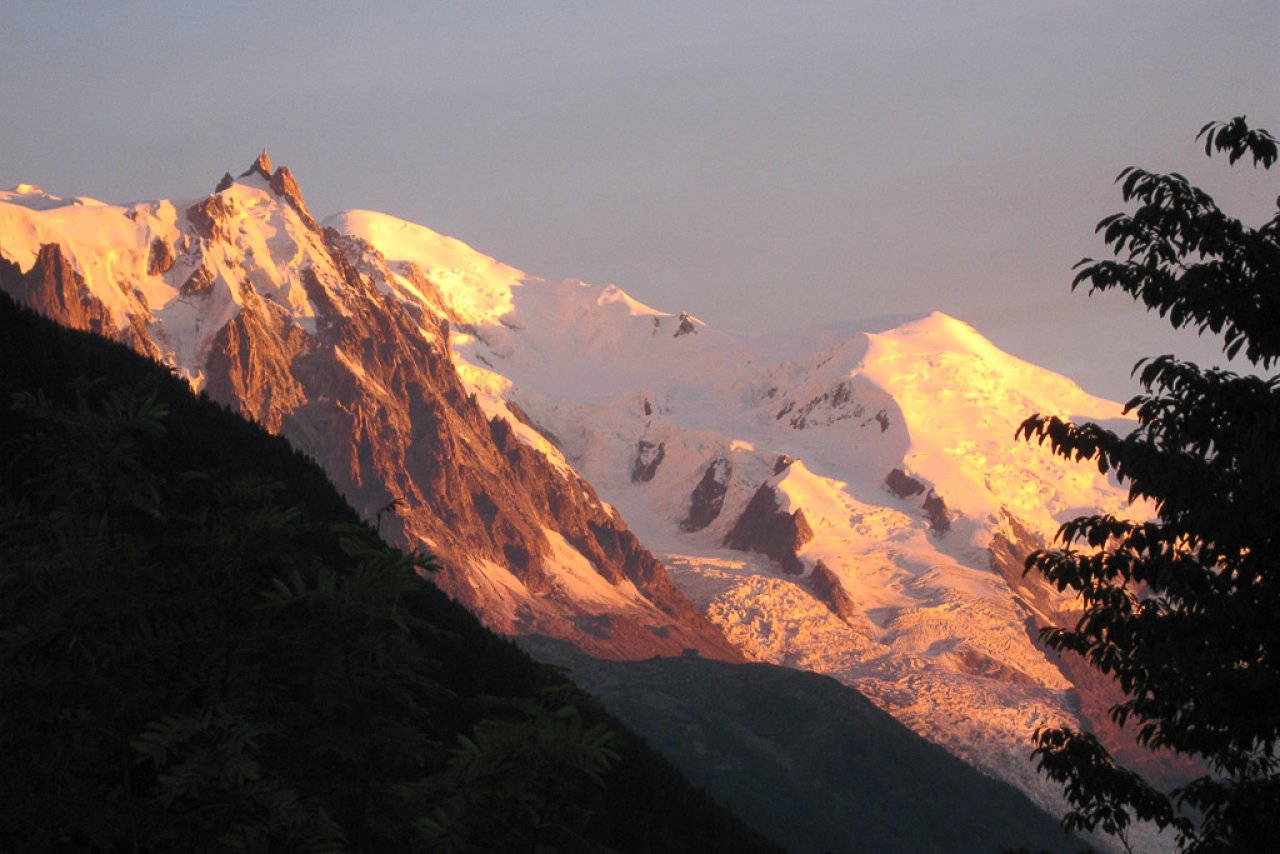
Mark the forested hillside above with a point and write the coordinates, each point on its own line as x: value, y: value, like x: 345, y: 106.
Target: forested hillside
x: 202, y: 648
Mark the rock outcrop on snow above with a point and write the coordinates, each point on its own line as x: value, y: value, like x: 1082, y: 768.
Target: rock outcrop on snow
x: 648, y: 458
x: 765, y: 528
x: 54, y: 288
x: 707, y: 498
x: 902, y: 484
x: 936, y: 510
x: 686, y: 326
x: 828, y: 589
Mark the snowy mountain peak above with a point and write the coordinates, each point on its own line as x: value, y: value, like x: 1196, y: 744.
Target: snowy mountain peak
x: 517, y: 421
x: 34, y: 198
x: 764, y: 470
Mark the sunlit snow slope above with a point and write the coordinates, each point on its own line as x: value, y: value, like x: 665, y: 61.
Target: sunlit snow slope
x: 860, y: 470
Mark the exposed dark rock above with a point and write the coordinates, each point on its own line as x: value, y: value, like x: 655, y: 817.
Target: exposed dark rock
x: 902, y: 484
x: 686, y: 325
x: 835, y: 404
x: 765, y: 529
x: 1008, y: 558
x: 648, y: 457
x: 882, y: 417
x: 599, y: 626
x: 10, y: 276
x: 487, y: 510
x: 225, y: 183
x: 319, y: 296
x: 160, y: 258
x: 250, y: 363
x: 826, y: 588
x: 781, y: 463
x: 936, y: 509
x: 707, y: 498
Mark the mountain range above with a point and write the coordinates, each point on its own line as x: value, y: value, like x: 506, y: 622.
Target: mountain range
x: 846, y: 499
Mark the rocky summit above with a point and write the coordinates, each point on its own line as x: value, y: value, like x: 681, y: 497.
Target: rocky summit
x: 305, y: 330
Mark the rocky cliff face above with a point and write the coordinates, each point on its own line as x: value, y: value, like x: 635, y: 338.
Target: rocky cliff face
x: 299, y: 328
x: 52, y: 287
x: 707, y: 498
x: 765, y: 528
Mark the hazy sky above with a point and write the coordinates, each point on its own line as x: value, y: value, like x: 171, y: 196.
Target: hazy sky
x: 761, y: 165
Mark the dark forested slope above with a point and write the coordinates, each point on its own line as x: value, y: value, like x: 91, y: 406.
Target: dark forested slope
x: 202, y: 649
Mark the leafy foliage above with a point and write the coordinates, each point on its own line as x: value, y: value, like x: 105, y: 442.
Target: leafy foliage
x: 521, y: 769
x: 189, y: 664
x: 1182, y: 610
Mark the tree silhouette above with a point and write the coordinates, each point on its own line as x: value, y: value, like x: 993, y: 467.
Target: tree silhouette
x: 187, y: 662
x: 1184, y: 610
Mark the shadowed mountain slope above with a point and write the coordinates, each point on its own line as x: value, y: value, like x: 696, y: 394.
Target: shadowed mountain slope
x: 807, y: 760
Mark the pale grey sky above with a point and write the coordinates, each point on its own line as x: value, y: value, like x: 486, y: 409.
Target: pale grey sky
x: 762, y: 165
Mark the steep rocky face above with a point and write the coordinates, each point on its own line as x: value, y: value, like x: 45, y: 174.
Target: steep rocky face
x: 160, y: 261
x: 765, y: 528
x: 827, y: 589
x: 286, y: 187
x: 54, y: 288
x: 303, y: 333
x: 707, y: 498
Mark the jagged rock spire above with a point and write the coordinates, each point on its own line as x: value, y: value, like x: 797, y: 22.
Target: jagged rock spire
x: 262, y: 166
x: 283, y: 185
x: 686, y: 325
